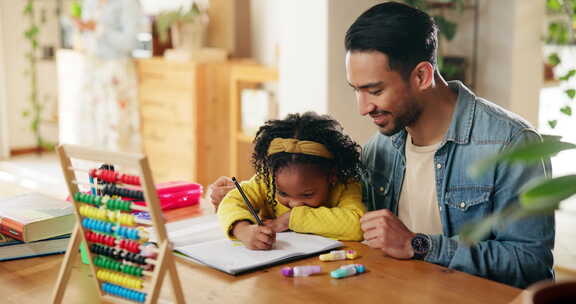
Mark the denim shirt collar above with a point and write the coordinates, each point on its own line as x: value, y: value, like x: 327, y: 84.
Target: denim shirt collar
x: 462, y: 118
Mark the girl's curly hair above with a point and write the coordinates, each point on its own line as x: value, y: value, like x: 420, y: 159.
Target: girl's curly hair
x: 323, y: 129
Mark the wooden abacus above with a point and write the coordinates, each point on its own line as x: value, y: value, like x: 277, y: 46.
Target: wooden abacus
x: 105, y: 225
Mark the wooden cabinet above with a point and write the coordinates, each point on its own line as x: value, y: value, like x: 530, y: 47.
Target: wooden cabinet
x: 181, y: 133
x: 190, y: 118
x: 241, y: 77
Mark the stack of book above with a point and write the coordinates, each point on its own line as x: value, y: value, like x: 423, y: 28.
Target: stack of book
x: 34, y: 224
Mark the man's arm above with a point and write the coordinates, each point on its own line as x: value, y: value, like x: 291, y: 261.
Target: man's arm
x: 518, y: 254
x: 218, y: 190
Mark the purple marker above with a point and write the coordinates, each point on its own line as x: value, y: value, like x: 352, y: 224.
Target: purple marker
x: 301, y: 271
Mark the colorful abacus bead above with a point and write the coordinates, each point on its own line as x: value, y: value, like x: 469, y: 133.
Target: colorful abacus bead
x: 130, y: 246
x: 126, y: 219
x: 97, y: 225
x: 118, y: 278
x: 100, y: 238
x: 123, y: 292
x: 93, y: 212
x: 108, y: 263
x: 130, y: 179
x: 111, y: 176
x: 118, y: 254
x: 123, y: 192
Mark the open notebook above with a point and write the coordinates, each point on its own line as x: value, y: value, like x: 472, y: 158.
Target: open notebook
x: 202, y: 240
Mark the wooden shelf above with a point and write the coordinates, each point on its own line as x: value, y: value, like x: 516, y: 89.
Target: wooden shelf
x: 243, y: 137
x: 244, y: 76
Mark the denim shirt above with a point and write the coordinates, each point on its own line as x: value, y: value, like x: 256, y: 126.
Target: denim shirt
x: 518, y: 254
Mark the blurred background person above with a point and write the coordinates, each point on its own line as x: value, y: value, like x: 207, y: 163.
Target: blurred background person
x: 108, y: 116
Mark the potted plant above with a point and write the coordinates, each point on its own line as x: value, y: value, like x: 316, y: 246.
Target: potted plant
x: 451, y: 67
x: 36, y: 107
x: 561, y: 42
x: 186, y: 26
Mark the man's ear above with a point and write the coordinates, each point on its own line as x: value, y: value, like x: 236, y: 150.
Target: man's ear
x: 422, y: 76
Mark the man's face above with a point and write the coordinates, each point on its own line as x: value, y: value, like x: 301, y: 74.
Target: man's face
x: 381, y: 93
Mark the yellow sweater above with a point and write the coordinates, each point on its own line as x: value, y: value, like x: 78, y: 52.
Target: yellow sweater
x: 338, y: 219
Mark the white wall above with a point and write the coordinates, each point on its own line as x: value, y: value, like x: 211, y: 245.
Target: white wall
x: 311, y: 54
x: 4, y: 144
x: 303, y: 62
x: 341, y: 98
x: 17, y: 87
x: 265, y: 31
x: 309, y: 36
x: 509, y: 70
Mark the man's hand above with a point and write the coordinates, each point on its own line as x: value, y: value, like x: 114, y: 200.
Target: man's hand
x: 280, y: 223
x: 219, y: 189
x: 253, y: 236
x: 383, y: 230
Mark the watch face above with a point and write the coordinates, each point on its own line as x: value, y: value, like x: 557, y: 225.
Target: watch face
x: 420, y: 244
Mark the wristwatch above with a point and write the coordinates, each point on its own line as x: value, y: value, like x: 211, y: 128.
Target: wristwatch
x: 421, y: 245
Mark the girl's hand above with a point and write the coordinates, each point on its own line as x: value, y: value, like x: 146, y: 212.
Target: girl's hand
x: 253, y: 236
x: 280, y: 223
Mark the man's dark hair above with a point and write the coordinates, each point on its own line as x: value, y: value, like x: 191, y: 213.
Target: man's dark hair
x: 405, y: 34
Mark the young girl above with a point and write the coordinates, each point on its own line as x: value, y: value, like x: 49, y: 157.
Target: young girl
x: 307, y: 180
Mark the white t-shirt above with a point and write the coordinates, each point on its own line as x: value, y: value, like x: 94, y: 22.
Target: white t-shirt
x: 418, y: 206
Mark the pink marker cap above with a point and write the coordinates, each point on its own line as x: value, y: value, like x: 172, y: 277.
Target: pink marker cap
x: 287, y: 271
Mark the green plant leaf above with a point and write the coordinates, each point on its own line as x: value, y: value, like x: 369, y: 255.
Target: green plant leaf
x: 28, y: 8
x: 479, y: 230
x: 568, y: 75
x: 527, y: 153
x: 552, y: 123
x: 553, y: 5
x: 34, y: 125
x: 31, y: 32
x: 567, y: 110
x: 447, y: 28
x: 25, y: 113
x: 558, y: 33
x: 571, y: 93
x: 546, y: 195
x: 554, y: 59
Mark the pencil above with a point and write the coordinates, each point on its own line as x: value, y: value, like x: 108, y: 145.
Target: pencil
x: 254, y: 214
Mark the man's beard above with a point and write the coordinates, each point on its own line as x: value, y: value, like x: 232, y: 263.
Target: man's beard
x: 411, y: 115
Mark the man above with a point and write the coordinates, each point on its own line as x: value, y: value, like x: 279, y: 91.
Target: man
x: 417, y: 186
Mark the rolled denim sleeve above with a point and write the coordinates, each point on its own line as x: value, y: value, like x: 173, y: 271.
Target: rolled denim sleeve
x: 518, y: 254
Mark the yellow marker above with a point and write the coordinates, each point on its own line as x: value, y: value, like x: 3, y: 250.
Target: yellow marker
x: 338, y: 255
x: 334, y: 255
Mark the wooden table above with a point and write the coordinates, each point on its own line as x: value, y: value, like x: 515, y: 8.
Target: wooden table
x: 386, y: 280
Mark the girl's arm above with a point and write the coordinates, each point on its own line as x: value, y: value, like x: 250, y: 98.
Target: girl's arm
x: 232, y: 209
x: 341, y: 220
